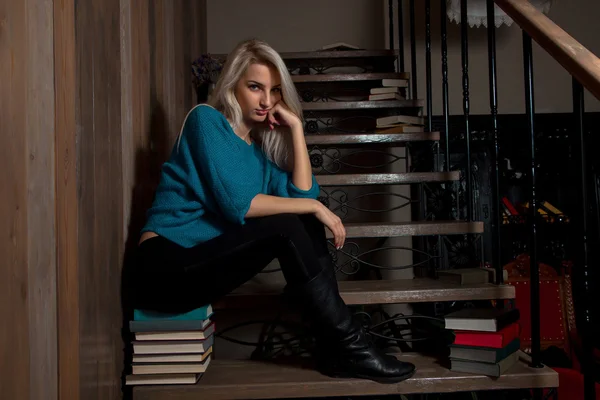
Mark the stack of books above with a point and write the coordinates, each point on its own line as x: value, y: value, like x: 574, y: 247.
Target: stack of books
x: 486, y: 340
x: 400, y: 124
x: 390, y: 90
x: 171, y: 348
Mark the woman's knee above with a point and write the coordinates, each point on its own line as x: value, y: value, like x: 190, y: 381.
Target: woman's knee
x: 283, y: 223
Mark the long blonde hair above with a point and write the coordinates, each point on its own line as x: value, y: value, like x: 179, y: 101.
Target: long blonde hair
x: 275, y: 144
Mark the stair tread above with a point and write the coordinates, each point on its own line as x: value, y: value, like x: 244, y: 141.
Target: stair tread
x: 370, y: 138
x: 410, y: 228
x: 319, y: 55
x: 299, y: 55
x: 393, y: 291
x: 349, y: 77
x: 352, y: 105
x: 246, y: 379
x: 386, y: 179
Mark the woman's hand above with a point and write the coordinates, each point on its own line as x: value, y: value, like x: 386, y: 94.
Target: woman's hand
x: 280, y: 114
x: 333, y: 223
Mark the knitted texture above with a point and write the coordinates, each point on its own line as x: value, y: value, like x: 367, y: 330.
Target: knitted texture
x: 210, y: 179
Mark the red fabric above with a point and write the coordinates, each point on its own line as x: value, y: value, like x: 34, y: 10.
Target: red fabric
x: 576, y: 346
x: 551, y: 311
x: 570, y: 384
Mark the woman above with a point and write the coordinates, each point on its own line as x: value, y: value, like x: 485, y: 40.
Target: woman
x: 237, y: 192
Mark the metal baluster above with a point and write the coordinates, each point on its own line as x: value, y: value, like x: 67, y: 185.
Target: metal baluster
x: 391, y: 20
x: 413, y: 51
x: 535, y: 269
x: 496, y: 210
x: 465, y: 82
x: 581, y: 279
x: 400, y: 36
x: 428, y: 63
x: 445, y: 81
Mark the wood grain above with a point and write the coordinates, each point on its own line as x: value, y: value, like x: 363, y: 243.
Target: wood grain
x: 420, y: 290
x: 67, y: 212
x: 386, y: 179
x: 370, y: 138
x: 413, y: 228
x: 100, y: 187
x: 41, y: 202
x: 572, y: 55
x: 319, y: 55
x: 361, y: 105
x: 14, y: 279
x: 338, y: 54
x: 349, y: 77
x: 231, y: 379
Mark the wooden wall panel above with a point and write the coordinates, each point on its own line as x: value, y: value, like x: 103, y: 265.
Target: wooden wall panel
x: 100, y: 189
x: 27, y: 239
x: 92, y: 97
x: 41, y: 201
x: 14, y: 337
x: 67, y: 211
x: 164, y: 37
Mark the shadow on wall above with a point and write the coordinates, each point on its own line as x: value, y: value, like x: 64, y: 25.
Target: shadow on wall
x: 148, y: 163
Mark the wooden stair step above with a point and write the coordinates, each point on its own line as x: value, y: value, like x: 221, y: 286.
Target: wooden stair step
x: 321, y: 55
x: 349, y: 77
x: 370, y: 138
x: 411, y: 228
x: 396, y: 291
x: 316, y: 55
x: 242, y: 379
x: 361, y: 105
x: 387, y: 179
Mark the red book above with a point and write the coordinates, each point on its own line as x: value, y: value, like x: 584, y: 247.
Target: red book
x: 496, y: 340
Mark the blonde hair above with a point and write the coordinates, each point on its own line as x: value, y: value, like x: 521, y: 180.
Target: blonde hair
x: 275, y: 143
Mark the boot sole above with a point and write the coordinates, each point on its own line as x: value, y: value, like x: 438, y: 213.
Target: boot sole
x: 393, y: 379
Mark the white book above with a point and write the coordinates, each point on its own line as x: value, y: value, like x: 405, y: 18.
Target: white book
x: 394, y: 82
x: 399, y: 119
x: 172, y: 346
x: 171, y: 358
x: 386, y: 96
x: 162, y: 379
x: 340, y: 46
x: 171, y: 368
x: 176, y: 335
x: 382, y: 90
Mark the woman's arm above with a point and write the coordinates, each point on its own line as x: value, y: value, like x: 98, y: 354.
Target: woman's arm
x: 302, y: 172
x: 264, y: 205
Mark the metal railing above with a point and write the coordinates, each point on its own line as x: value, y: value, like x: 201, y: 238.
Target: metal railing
x: 584, y: 67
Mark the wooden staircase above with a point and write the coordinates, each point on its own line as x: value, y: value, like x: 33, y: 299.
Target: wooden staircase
x: 235, y: 379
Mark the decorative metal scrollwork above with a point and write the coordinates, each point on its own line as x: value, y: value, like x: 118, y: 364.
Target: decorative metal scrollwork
x: 313, y: 95
x: 320, y: 68
x: 331, y: 159
x: 462, y: 251
x: 349, y: 259
x: 440, y: 200
x: 353, y: 124
x: 339, y: 202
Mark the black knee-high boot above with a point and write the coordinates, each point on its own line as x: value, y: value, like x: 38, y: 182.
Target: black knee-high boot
x: 343, y: 348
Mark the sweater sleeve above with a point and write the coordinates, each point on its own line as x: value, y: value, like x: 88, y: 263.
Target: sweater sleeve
x: 213, y: 149
x: 281, y: 184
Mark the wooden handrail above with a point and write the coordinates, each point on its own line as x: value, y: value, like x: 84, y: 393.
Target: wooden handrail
x: 572, y: 55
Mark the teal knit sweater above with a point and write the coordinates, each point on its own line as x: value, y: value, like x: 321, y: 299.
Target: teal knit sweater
x: 210, y: 179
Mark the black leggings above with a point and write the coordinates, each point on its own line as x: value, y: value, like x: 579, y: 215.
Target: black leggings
x: 171, y: 278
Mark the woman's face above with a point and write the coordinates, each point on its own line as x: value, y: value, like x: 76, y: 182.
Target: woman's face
x: 258, y: 90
